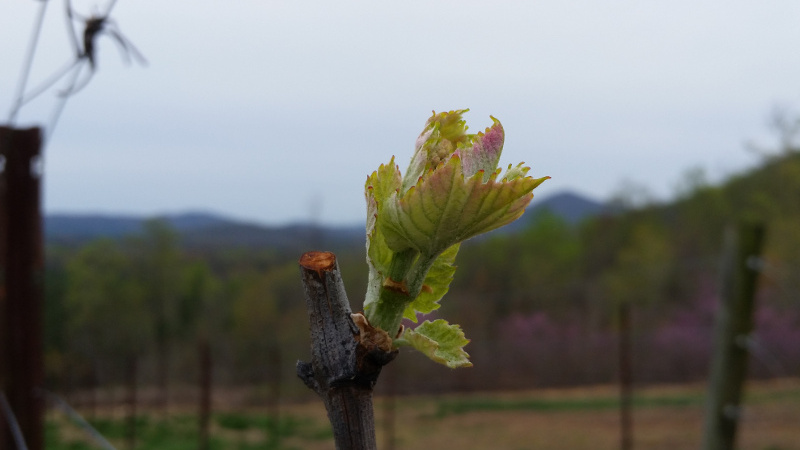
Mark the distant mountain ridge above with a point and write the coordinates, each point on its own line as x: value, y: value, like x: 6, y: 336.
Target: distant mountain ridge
x: 66, y: 226
x: 196, y: 229
x: 571, y: 207
x: 199, y: 229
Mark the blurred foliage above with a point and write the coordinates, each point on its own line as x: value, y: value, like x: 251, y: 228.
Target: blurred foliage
x: 104, y: 305
x: 152, y: 293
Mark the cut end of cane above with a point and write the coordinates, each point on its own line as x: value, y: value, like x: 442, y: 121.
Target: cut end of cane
x: 318, y: 261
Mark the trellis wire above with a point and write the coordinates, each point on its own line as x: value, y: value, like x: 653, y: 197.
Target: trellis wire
x: 74, y: 66
x: 16, y: 432
x: 26, y: 66
x: 77, y: 418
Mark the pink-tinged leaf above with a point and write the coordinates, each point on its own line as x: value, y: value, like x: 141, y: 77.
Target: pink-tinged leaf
x: 442, y: 134
x: 445, y: 208
x: 484, y: 153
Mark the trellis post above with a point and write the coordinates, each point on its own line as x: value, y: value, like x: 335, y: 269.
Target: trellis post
x: 21, y: 284
x: 733, y: 326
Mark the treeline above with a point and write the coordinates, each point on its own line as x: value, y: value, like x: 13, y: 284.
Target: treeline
x: 539, y: 305
x: 147, y: 303
x: 547, y: 298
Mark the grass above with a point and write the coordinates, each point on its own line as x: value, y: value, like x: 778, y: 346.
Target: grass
x: 665, y: 417
x: 242, y: 431
x: 469, y: 404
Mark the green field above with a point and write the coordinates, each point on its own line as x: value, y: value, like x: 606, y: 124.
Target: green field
x: 665, y: 417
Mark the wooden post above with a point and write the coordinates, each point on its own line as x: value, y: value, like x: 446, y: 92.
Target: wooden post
x: 625, y: 376
x: 274, y: 402
x: 94, y: 385
x: 21, y: 277
x: 346, y: 354
x: 204, y: 351
x: 733, y: 325
x: 390, y: 410
x: 133, y: 368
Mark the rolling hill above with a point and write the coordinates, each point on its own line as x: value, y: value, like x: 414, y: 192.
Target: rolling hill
x: 198, y: 229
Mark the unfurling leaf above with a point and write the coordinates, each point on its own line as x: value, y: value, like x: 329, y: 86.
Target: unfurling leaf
x: 379, y: 187
x: 436, y: 284
x: 446, y: 208
x: 451, y: 191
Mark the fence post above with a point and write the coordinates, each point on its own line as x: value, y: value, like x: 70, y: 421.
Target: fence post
x: 274, y: 402
x: 390, y: 409
x: 131, y: 400
x: 733, y: 325
x: 625, y: 376
x: 204, y: 413
x: 21, y: 277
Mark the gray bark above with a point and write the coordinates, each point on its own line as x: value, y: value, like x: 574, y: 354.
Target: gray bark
x: 346, y: 354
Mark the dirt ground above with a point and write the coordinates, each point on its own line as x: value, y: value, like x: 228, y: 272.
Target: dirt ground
x: 664, y: 417
x: 771, y: 421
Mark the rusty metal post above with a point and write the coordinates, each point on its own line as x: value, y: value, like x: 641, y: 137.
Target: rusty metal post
x: 21, y: 279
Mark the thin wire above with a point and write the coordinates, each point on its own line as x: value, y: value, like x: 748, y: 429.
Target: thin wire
x: 62, y: 102
x: 76, y: 67
x: 26, y: 66
x: 48, y: 83
x: 77, y: 418
x: 110, y: 7
x: 19, y: 440
x: 66, y: 94
x: 763, y: 354
x: 777, y: 274
x: 71, y: 27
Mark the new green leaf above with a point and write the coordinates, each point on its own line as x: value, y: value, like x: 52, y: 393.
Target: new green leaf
x: 436, y: 284
x: 446, y: 208
x: 451, y: 191
x: 439, y: 341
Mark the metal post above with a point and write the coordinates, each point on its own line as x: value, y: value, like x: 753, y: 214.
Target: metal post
x: 734, y: 323
x: 21, y: 278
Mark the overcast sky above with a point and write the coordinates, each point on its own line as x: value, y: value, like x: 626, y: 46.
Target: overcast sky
x: 276, y: 111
